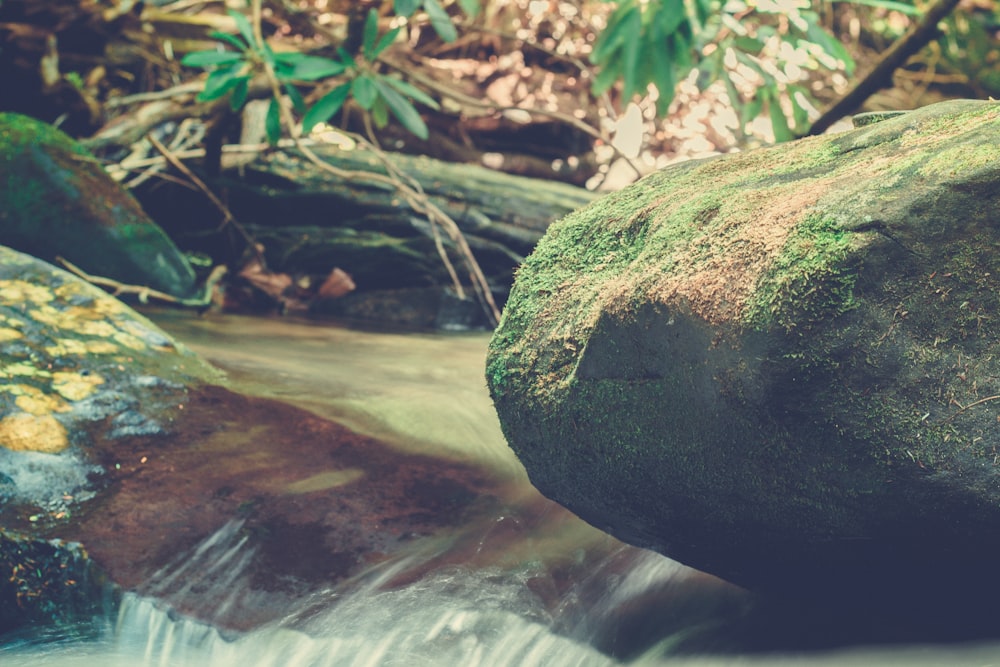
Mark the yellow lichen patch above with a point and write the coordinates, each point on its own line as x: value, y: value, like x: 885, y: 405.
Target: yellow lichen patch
x: 22, y: 369
x: 34, y: 401
x: 74, y: 386
x: 23, y: 432
x: 7, y: 334
x: 20, y: 291
x: 45, y: 314
x: 128, y: 340
x: 81, y: 347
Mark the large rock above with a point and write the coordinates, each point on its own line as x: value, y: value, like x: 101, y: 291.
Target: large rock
x: 779, y: 366
x: 57, y: 201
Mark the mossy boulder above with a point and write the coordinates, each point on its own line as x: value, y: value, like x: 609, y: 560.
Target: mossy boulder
x: 780, y: 366
x: 57, y: 201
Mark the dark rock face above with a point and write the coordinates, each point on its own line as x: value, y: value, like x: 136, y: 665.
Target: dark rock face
x: 57, y: 201
x: 781, y: 366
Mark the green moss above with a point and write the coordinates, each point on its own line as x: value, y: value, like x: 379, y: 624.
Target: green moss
x: 810, y: 281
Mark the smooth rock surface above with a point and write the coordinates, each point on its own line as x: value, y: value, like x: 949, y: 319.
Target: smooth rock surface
x: 781, y: 366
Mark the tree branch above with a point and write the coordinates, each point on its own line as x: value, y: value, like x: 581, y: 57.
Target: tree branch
x: 916, y: 38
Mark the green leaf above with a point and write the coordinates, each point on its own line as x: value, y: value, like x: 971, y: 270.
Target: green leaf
x: 240, y: 91
x: 470, y: 7
x: 210, y: 58
x: 289, y: 57
x: 606, y: 78
x: 405, y: 7
x: 234, y: 42
x: 778, y: 121
x: 748, y: 44
x: 440, y: 21
x: 614, y: 35
x: 272, y: 122
x: 831, y: 45
x: 380, y: 114
x: 220, y: 82
x: 325, y: 107
x: 295, y: 96
x: 405, y: 113
x: 346, y: 57
x: 630, y: 54
x: 799, y: 113
x: 384, y: 43
x: 243, y: 25
x: 313, y: 68
x: 901, y: 7
x: 412, y: 91
x: 370, y: 33
x: 663, y: 77
x: 670, y: 15
x: 364, y: 91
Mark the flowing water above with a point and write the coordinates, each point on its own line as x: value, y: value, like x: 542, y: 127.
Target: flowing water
x: 540, y: 587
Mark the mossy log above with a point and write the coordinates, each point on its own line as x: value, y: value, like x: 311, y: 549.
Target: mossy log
x: 310, y: 220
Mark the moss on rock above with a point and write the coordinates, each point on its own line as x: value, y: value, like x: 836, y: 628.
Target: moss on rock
x: 776, y: 366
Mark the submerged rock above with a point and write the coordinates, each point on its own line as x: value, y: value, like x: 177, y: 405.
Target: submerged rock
x: 780, y: 366
x: 57, y: 201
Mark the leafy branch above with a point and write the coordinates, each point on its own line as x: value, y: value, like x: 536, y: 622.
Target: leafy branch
x: 378, y: 94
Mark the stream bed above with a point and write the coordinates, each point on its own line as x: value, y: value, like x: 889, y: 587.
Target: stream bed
x: 518, y: 582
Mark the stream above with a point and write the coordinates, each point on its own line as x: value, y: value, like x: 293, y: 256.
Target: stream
x: 521, y: 583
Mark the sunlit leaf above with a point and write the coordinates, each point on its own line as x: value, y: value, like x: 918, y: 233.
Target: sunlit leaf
x: 614, y: 35
x: 240, y: 91
x: 670, y: 15
x: 405, y: 113
x: 412, y: 91
x: 312, y: 68
x: 325, y: 107
x: 220, y: 82
x: 289, y: 57
x: 901, y: 7
x: 384, y: 43
x: 630, y: 55
x: 370, y: 34
x: 440, y: 21
x: 607, y: 76
x: 831, y: 45
x: 243, y: 25
x: 779, y: 123
x: 364, y: 91
x: 380, y: 113
x: 235, y: 42
x: 799, y: 113
x: 210, y: 58
x: 470, y: 7
x: 272, y: 122
x: 663, y: 78
x: 405, y: 7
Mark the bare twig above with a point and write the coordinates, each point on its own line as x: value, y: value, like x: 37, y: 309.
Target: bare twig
x: 145, y: 293
x: 228, y: 217
x: 963, y: 408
